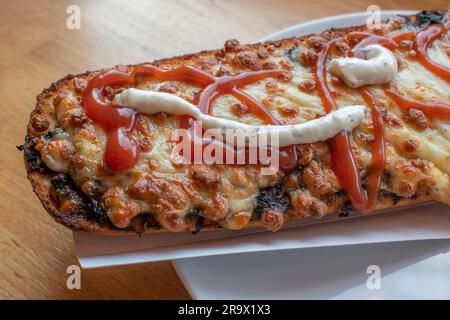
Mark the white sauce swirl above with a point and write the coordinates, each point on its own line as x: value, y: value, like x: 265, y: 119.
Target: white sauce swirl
x: 151, y: 102
x: 380, y: 67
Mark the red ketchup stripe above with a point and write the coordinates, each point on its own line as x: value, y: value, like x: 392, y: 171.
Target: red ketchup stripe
x: 122, y: 151
x: 432, y: 109
x: 373, y: 180
x: 343, y: 163
x: 421, y: 43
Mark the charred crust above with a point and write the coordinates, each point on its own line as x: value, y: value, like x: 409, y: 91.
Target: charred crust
x: 88, y: 214
x: 346, y: 209
x: 143, y: 222
x: 422, y: 19
x: 31, y: 156
x: 48, y: 135
x: 273, y: 198
x: 199, y: 225
x: 196, y: 216
x: 429, y: 17
x: 88, y: 207
x: 292, y: 54
x: 395, y: 198
x: 199, y: 222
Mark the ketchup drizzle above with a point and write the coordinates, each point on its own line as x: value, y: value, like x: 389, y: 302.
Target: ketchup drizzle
x: 375, y: 173
x: 367, y: 38
x: 432, y: 109
x: 122, y: 151
x: 343, y: 163
x: 422, y: 41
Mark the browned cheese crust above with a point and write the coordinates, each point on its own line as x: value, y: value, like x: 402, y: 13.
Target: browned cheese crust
x: 63, y: 150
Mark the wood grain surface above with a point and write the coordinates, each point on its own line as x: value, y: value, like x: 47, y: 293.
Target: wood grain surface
x: 37, y: 49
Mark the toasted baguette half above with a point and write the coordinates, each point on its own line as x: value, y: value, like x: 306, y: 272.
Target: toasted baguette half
x: 63, y: 149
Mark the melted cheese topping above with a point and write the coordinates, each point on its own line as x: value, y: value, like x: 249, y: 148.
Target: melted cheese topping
x: 418, y: 157
x: 380, y: 67
x: 150, y: 103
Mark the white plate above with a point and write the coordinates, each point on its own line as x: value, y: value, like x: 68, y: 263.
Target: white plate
x: 409, y: 270
x: 340, y: 21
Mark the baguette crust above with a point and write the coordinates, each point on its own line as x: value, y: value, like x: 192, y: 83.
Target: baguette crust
x: 88, y: 214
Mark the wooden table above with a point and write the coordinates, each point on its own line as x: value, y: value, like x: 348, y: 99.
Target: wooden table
x: 37, y: 49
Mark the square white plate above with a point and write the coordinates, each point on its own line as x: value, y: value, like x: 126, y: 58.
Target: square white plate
x: 409, y: 270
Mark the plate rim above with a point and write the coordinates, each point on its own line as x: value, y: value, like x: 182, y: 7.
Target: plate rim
x: 358, y: 14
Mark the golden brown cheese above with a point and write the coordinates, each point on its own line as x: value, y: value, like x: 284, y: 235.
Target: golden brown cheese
x: 418, y: 153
